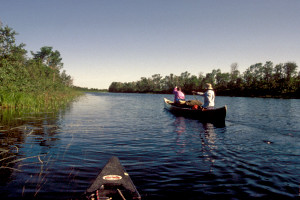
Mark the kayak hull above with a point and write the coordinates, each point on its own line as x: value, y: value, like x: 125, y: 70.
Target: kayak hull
x: 112, y: 182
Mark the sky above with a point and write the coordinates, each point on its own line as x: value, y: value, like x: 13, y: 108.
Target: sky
x: 105, y: 41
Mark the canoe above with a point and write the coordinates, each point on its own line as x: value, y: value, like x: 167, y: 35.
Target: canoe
x: 209, y: 115
x: 113, y: 182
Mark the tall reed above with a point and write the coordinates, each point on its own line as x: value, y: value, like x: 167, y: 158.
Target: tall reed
x: 49, y: 99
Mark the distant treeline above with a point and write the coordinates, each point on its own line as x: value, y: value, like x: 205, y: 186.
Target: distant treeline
x: 263, y: 80
x: 85, y: 89
x: 31, y: 81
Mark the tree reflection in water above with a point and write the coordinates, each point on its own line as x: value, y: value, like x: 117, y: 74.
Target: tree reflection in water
x: 25, y: 141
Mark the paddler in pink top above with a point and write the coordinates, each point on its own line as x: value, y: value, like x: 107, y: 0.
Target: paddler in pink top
x: 179, y: 96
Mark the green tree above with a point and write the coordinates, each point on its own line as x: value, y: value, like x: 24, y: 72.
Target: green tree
x: 183, y: 79
x: 66, y: 79
x: 168, y: 83
x: 144, y: 85
x: 278, y: 78
x: 191, y: 84
x: 10, y: 52
x: 209, y: 78
x: 268, y: 76
x: 156, y: 82
x: 222, y: 80
x: 235, y: 79
x: 290, y: 71
x: 50, y: 58
x: 115, y: 87
x: 23, y: 78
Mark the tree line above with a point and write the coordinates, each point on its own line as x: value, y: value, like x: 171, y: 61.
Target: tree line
x: 263, y: 80
x: 21, y: 76
x: 86, y: 89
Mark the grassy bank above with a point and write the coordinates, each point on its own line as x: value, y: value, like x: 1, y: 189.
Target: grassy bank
x: 35, y: 81
x: 45, y: 100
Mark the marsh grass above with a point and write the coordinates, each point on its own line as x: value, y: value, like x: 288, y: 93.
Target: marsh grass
x: 33, y: 93
x: 13, y: 159
x: 44, y: 100
x: 24, y: 116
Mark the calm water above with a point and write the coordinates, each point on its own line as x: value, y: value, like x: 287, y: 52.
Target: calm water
x: 57, y: 155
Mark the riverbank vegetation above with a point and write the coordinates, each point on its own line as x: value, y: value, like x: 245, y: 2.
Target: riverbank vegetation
x: 259, y: 80
x: 85, y: 89
x: 31, y: 82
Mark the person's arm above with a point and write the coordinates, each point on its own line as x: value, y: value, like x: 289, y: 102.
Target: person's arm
x: 198, y: 93
x: 175, y: 90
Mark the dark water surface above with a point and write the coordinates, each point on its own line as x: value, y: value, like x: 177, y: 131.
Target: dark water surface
x: 57, y: 155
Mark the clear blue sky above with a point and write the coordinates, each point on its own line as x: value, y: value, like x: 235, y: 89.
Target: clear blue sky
x: 102, y: 41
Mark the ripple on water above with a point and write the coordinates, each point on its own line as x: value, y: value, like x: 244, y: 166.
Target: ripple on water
x: 255, y: 155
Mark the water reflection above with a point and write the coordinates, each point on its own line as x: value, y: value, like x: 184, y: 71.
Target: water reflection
x: 208, y: 139
x: 207, y: 134
x: 164, y: 154
x: 25, y: 142
x: 180, y: 129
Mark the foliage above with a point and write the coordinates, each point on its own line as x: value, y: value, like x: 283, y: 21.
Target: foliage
x: 85, y: 89
x: 259, y: 79
x: 29, y: 81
